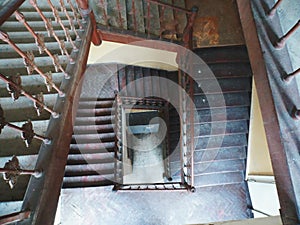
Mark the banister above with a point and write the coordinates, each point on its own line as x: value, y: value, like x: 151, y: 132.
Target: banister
x: 8, y: 9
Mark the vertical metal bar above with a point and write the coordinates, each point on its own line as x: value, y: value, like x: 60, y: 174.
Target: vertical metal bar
x: 58, y: 20
x: 134, y: 16
x: 40, y: 43
x: 192, y: 131
x: 148, y: 19
x: 104, y: 12
x: 5, y: 79
x: 14, y: 217
x: 75, y: 14
x: 161, y: 20
x: 120, y: 14
x: 28, y: 61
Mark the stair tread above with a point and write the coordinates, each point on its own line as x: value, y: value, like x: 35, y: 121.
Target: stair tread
x: 94, y: 158
x: 87, y: 181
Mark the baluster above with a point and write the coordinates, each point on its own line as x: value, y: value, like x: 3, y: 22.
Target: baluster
x: 281, y: 42
x: 274, y: 8
x: 133, y: 12
x: 148, y: 19
x: 75, y: 14
x: 26, y: 130
x: 39, y: 40
x: 161, y: 20
x: 12, y: 171
x: 119, y: 14
x: 104, y: 6
x: 28, y: 59
x: 58, y: 20
x: 63, y: 9
x: 51, y: 32
x: 16, y: 81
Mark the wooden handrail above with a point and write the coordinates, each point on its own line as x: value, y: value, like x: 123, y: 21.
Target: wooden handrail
x: 14, y: 217
x: 8, y: 9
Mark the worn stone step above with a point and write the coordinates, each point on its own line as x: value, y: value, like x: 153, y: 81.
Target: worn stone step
x: 95, y: 158
x: 15, y: 26
x: 53, y: 47
x: 232, y: 140
x: 89, y: 169
x: 13, y: 66
x: 95, y: 112
x: 222, y: 100
x: 88, y: 181
x: 26, y: 37
x: 219, y: 179
x: 222, y: 70
x: 92, y: 148
x: 33, y: 84
x: 97, y: 120
x: 92, y: 138
x: 95, y: 104
x: 223, y: 85
x: 93, y: 129
x: 23, y: 108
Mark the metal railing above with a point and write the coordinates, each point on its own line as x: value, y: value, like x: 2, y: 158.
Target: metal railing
x: 40, y: 201
x: 160, y: 20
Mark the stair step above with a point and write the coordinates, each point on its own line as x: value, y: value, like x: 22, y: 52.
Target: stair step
x: 95, y: 104
x: 23, y: 108
x: 217, y: 128
x: 93, y: 129
x: 223, y: 85
x: 233, y: 140
x: 99, y: 120
x: 92, y: 138
x: 13, y: 66
x: 219, y: 166
x: 15, y: 26
x: 225, y: 54
x: 53, y: 47
x: 88, y: 181
x: 95, y: 158
x: 33, y: 84
x: 92, y: 148
x: 89, y: 169
x: 34, y: 16
x: 219, y: 179
x: 95, y: 112
x: 26, y: 37
x: 222, y: 100
x: 213, y: 154
x: 222, y: 70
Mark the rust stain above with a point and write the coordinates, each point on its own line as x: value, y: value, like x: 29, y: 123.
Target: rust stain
x: 206, y: 32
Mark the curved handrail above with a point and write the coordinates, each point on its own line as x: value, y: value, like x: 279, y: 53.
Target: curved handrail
x: 8, y: 9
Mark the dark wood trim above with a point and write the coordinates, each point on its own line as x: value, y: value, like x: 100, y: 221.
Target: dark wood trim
x: 278, y: 156
x: 8, y: 9
x: 42, y: 194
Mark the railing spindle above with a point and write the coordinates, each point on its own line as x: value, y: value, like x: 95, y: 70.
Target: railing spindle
x: 75, y: 14
x: 28, y: 60
x: 59, y: 21
x: 282, y: 41
x: 134, y: 16
x: 12, y: 171
x: 39, y: 39
x: 148, y: 19
x: 15, y: 89
x: 71, y: 22
x: 51, y: 32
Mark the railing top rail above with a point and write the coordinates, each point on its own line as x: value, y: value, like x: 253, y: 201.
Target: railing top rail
x: 177, y: 8
x: 8, y: 8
